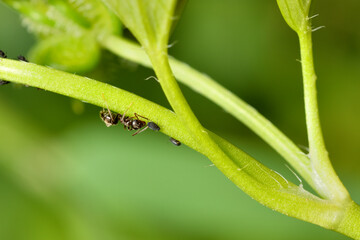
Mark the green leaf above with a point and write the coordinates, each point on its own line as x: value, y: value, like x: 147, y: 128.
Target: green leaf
x: 149, y: 20
x: 45, y: 19
x: 68, y: 31
x: 67, y: 53
x: 72, y: 17
x: 101, y: 19
x: 295, y: 13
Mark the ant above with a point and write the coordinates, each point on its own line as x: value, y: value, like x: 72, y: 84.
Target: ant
x: 133, y: 124
x: 109, y: 118
x: 130, y: 123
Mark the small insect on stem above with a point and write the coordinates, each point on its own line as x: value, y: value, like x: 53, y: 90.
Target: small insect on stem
x: 22, y: 58
x: 133, y: 124
x: 129, y: 123
x: 175, y: 142
x: 3, y: 55
x: 109, y: 118
x: 3, y: 82
x: 153, y: 126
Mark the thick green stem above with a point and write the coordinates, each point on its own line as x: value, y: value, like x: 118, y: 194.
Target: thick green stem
x: 261, y: 183
x: 206, y: 86
x: 173, y: 92
x: 349, y: 225
x: 174, y: 95
x: 322, y: 171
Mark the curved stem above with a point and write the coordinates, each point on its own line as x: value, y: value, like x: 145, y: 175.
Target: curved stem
x: 323, y: 172
x: 206, y: 86
x: 261, y: 183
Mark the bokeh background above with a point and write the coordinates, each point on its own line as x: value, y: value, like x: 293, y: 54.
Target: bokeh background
x: 64, y: 175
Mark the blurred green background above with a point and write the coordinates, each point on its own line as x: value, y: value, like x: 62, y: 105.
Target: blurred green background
x: 64, y: 175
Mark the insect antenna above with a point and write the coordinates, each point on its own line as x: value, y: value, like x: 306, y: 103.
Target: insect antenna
x: 107, y: 106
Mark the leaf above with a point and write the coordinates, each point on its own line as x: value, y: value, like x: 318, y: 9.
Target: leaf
x: 149, y: 20
x: 68, y: 31
x: 295, y: 13
x: 102, y: 20
x: 71, y: 17
x: 45, y: 19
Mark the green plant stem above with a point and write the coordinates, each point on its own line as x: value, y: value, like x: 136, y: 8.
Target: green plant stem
x: 322, y: 170
x: 183, y: 111
x: 261, y: 183
x: 173, y: 93
x: 349, y: 226
x: 206, y: 86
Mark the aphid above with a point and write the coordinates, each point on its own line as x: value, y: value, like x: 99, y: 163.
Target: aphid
x: 22, y: 58
x: 153, y: 126
x: 3, y: 55
x: 175, y: 142
x: 3, y: 82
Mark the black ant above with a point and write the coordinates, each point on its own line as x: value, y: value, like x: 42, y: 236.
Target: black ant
x: 112, y: 119
x: 133, y: 124
x: 130, y: 123
x: 109, y: 118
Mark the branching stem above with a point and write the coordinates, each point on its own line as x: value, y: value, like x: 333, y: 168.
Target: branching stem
x: 210, y: 89
x: 322, y: 171
x: 261, y: 183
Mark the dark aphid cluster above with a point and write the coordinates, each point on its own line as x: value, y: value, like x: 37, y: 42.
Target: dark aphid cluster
x: 3, y: 55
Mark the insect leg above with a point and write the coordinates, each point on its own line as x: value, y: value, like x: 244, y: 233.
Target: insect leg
x: 137, y: 116
x: 140, y: 130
